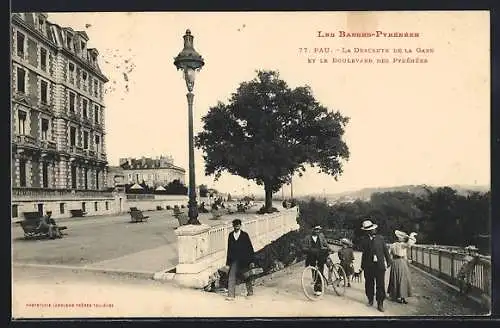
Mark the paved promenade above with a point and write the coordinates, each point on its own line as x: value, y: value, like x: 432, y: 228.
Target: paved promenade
x: 43, y: 292
x: 110, y: 243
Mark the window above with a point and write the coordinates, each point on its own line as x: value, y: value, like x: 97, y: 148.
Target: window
x: 41, y: 23
x: 15, y: 212
x: 84, y: 80
x: 95, y: 88
x: 21, y: 80
x: 61, y: 208
x: 72, y: 136
x: 72, y: 97
x: 85, y: 178
x: 45, y: 129
x: 44, y: 92
x: 85, y: 140
x: 43, y: 59
x: 96, y: 114
x: 45, y: 175
x: 20, y: 44
x: 96, y: 206
x: 84, y: 106
x: 97, y: 180
x: 22, y: 172
x: 82, y: 46
x: 69, y: 42
x: 73, y: 177
x: 83, y: 207
x: 107, y: 206
x: 21, y: 122
x: 97, y: 143
x: 40, y: 209
x: 71, y: 70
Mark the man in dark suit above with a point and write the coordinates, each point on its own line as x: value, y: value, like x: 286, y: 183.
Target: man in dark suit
x: 373, y: 262
x: 316, y: 249
x: 240, y: 256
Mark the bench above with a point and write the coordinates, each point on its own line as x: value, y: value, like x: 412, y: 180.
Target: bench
x: 137, y: 216
x: 31, y: 230
x: 77, y: 213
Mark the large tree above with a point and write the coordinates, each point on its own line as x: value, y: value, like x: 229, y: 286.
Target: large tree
x: 268, y: 131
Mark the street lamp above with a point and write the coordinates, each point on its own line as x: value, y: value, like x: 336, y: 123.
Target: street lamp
x: 189, y: 61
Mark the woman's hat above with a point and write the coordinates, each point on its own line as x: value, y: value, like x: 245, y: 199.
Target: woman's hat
x: 401, y: 234
x: 368, y: 225
x: 318, y: 227
x: 345, y: 241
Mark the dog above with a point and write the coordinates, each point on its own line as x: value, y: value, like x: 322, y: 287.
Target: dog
x: 357, y: 276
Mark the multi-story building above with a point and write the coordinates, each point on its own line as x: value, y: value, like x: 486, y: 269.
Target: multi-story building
x: 153, y: 171
x: 58, y: 132
x: 116, y: 176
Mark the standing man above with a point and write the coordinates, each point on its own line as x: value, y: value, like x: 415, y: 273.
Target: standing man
x: 240, y: 256
x: 373, y: 262
x: 316, y: 248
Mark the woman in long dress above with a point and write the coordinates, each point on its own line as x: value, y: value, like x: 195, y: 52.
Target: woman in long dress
x: 400, y: 286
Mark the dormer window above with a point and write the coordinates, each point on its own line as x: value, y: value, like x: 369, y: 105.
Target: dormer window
x: 41, y: 23
x: 69, y: 42
x: 82, y: 46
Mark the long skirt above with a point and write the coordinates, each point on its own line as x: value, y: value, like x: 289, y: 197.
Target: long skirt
x: 399, y: 279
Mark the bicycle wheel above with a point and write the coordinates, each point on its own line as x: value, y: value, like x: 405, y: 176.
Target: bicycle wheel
x: 339, y: 279
x: 313, y: 283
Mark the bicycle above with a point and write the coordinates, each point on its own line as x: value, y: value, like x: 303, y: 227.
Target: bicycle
x: 312, y: 277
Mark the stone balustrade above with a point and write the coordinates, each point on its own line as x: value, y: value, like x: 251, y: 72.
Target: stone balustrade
x: 202, y: 249
x: 39, y: 194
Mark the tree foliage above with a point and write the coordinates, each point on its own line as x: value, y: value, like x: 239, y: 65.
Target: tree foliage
x: 268, y: 131
x: 441, y: 216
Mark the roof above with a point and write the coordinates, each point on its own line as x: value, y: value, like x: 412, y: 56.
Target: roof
x: 149, y: 163
x: 54, y: 35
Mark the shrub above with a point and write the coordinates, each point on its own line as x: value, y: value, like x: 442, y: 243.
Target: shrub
x: 169, y: 207
x: 159, y: 208
x: 264, y: 210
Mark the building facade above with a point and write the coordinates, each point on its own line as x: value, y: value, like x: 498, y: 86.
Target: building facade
x: 153, y: 171
x: 58, y: 113
x: 116, y: 176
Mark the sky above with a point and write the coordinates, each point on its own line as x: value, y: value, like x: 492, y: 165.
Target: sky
x: 426, y: 123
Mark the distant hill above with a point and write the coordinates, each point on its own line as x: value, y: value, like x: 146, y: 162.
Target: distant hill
x: 365, y: 193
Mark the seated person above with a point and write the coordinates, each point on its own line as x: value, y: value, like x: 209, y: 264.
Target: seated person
x: 47, y: 224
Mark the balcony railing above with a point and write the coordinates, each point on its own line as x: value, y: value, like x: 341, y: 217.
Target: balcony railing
x: 76, y: 150
x: 48, y: 144
x: 26, y: 140
x: 57, y: 194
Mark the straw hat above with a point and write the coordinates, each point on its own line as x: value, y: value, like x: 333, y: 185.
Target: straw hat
x: 368, y: 225
x: 345, y: 241
x: 401, y: 234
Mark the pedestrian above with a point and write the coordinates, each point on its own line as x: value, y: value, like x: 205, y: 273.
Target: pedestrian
x: 346, y: 257
x: 240, y: 257
x: 373, y: 263
x: 316, y: 249
x: 399, y: 277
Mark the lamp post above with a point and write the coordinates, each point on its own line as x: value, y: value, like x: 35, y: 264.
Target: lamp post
x: 189, y: 61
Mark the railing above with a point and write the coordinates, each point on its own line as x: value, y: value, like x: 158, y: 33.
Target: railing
x: 446, y: 264
x: 140, y: 196
x: 202, y: 249
x: 48, y: 144
x: 26, y: 140
x: 76, y: 150
x: 53, y: 194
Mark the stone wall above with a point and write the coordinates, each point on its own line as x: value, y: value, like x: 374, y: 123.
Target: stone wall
x: 202, y: 249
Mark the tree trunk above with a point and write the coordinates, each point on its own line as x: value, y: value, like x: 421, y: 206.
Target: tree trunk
x: 269, y: 196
